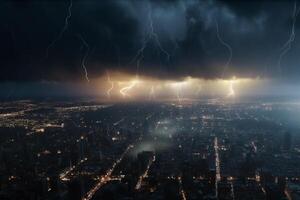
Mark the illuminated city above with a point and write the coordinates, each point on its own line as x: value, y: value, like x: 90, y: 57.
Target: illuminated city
x: 149, y: 100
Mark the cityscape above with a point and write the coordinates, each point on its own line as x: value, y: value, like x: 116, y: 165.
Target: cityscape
x: 193, y: 150
x: 149, y: 100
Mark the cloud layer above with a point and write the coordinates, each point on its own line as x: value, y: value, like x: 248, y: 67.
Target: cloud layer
x: 178, y: 38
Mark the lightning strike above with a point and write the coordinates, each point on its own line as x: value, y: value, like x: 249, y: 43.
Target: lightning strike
x: 151, y: 35
x: 108, y: 92
x: 288, y: 44
x: 63, y: 30
x: 231, y: 88
x: 227, y: 46
x: 154, y: 35
x: 152, y: 93
x: 177, y: 86
x: 124, y: 91
x: 176, y: 47
x: 83, y: 61
x: 178, y: 95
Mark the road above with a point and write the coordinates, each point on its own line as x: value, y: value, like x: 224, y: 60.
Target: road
x: 107, y: 177
x: 141, y: 178
x: 218, y: 171
x: 64, y: 175
x: 181, y: 191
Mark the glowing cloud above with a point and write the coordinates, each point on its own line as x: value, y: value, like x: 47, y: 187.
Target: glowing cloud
x: 118, y: 86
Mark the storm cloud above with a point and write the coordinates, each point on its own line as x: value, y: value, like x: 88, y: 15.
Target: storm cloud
x: 184, y: 40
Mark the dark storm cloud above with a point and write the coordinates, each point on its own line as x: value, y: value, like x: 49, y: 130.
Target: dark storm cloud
x: 116, y: 29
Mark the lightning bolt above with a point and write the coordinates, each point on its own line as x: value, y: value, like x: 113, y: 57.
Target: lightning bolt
x: 63, y: 30
x: 231, y: 88
x: 288, y: 44
x: 154, y: 35
x: 152, y: 93
x: 111, y: 87
x: 227, y: 46
x: 178, y: 91
x: 151, y: 35
x: 140, y: 54
x: 83, y: 61
x: 124, y: 90
x: 176, y: 47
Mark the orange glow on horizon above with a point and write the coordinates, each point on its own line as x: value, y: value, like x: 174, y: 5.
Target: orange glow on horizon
x: 126, y: 86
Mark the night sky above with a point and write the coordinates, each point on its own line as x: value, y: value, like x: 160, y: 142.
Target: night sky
x: 50, y: 40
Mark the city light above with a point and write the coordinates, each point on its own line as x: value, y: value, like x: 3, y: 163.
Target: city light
x: 150, y: 100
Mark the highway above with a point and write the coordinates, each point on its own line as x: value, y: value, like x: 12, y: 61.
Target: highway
x: 107, y: 177
x: 141, y: 178
x: 64, y: 175
x: 218, y: 171
x: 181, y: 191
